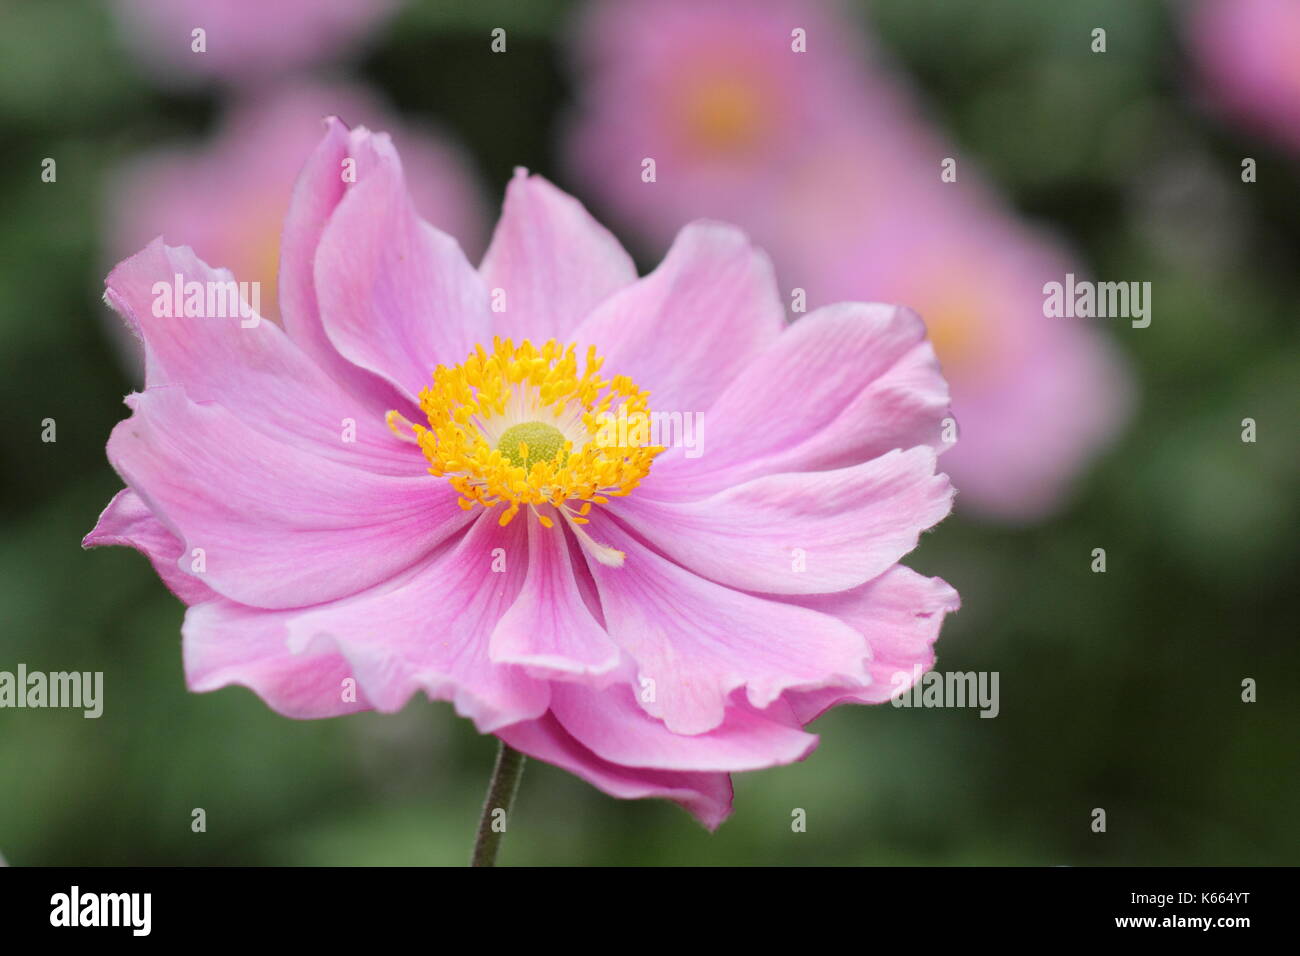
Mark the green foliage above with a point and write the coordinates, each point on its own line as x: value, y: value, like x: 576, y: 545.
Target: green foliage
x: 1119, y: 690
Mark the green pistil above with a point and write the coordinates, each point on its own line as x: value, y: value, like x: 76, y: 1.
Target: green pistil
x: 544, y: 443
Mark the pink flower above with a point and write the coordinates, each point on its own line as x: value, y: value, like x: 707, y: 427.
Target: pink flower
x: 823, y: 157
x: 407, y: 487
x: 244, y: 41
x: 713, y: 92
x: 1035, y: 396
x: 227, y: 198
x: 1248, y: 52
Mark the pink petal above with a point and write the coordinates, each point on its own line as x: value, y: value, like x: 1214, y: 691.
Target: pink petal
x: 845, y: 527
x: 615, y: 728
x: 553, y: 261
x: 280, y: 527
x: 203, y: 193
x: 127, y: 521
x: 316, y: 194
x: 706, y: 796
x: 226, y: 643
x: 842, y: 385
x: 698, y: 641
x: 397, y: 297
x: 256, y: 372
x: 900, y: 614
x: 549, y: 629
x: 429, y: 630
x: 688, y: 328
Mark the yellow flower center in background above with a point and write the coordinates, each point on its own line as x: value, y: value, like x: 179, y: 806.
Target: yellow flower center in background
x: 722, y: 114
x: 955, y: 319
x: 522, y: 427
x: 253, y: 253
x: 953, y: 328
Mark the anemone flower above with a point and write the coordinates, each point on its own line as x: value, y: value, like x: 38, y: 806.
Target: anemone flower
x: 481, y: 484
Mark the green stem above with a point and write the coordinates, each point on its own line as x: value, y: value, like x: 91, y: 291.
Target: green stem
x: 501, y: 794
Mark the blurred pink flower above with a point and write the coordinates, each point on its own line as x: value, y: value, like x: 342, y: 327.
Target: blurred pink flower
x: 823, y: 157
x: 1035, y: 397
x: 714, y: 94
x: 244, y: 41
x: 649, y: 618
x: 227, y: 198
x: 1248, y: 52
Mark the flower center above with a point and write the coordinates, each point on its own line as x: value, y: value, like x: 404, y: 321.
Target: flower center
x: 722, y: 114
x: 530, y: 442
x: 522, y: 427
x: 956, y: 327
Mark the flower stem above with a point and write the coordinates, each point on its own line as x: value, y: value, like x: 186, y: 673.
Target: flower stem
x: 501, y: 794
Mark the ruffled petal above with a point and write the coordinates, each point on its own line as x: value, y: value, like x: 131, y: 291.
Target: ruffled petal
x: 318, y: 191
x: 226, y: 643
x: 128, y: 521
x: 800, y: 533
x: 247, y: 365
x: 552, y: 260
x: 899, y: 613
x: 688, y: 328
x: 429, y: 629
x: 706, y: 796
x: 697, y: 641
x: 842, y: 385
x: 397, y: 297
x: 279, y: 526
x: 611, y: 724
x: 549, y: 628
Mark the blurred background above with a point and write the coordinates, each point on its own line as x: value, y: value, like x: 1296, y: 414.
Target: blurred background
x: 1120, y: 690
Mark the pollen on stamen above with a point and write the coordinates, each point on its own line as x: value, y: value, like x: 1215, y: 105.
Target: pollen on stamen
x: 526, y: 427
x: 401, y: 426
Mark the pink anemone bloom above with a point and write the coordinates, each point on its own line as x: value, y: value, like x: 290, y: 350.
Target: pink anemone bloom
x: 459, y: 481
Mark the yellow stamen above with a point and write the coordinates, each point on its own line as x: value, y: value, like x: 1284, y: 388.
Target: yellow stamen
x: 401, y: 426
x: 522, y: 426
